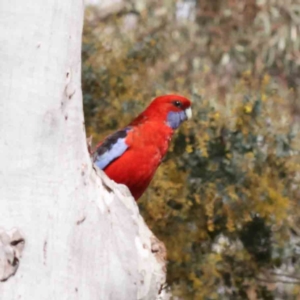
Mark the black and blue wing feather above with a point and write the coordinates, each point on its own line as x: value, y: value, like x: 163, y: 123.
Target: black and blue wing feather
x: 111, y: 148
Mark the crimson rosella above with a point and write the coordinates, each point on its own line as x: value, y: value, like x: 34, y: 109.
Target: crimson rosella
x: 131, y: 155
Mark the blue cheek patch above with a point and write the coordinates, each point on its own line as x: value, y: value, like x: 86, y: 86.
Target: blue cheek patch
x: 174, y: 119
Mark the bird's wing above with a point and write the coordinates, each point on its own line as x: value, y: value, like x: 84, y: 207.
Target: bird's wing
x: 111, y: 148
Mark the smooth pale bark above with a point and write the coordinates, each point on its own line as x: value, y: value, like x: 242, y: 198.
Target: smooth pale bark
x: 76, y: 234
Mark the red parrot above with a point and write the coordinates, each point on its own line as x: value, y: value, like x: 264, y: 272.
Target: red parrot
x: 131, y: 155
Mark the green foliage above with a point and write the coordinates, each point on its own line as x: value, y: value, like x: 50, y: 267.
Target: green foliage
x: 225, y: 201
x: 239, y: 186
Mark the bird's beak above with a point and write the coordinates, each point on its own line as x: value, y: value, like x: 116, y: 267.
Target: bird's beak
x: 188, y: 113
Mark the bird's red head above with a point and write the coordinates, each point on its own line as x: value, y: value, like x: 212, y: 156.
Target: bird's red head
x: 172, y: 109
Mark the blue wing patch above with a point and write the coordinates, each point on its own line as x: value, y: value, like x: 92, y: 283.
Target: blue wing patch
x: 112, y: 147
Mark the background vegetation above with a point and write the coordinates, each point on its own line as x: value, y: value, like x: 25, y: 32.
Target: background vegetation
x: 226, y: 199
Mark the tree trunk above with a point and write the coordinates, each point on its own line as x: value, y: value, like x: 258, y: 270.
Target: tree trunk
x: 67, y: 231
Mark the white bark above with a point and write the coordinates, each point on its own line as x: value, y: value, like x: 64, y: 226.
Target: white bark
x: 83, y: 235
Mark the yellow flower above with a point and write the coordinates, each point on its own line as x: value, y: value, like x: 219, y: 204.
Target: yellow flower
x: 248, y: 108
x: 189, y: 149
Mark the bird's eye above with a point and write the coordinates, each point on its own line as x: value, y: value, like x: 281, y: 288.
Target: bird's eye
x: 177, y: 103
